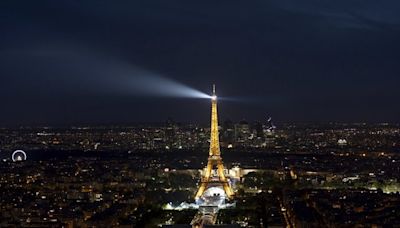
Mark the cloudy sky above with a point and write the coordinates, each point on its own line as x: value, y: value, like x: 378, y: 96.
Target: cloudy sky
x: 87, y: 62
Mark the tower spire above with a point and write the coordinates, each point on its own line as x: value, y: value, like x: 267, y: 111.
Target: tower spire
x: 214, y: 138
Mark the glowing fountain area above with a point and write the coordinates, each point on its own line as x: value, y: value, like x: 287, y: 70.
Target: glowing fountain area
x: 213, y: 197
x: 212, y: 200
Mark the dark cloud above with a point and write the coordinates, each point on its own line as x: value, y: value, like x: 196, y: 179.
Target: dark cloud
x: 298, y: 60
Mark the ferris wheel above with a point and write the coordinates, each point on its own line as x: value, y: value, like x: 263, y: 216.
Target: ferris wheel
x: 18, y: 155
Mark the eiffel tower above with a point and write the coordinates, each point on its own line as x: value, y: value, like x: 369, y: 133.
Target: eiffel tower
x: 214, y: 158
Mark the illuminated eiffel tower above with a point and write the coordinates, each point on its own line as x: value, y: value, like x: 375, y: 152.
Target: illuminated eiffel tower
x: 214, y: 158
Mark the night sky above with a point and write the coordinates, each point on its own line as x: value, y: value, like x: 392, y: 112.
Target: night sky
x: 83, y: 62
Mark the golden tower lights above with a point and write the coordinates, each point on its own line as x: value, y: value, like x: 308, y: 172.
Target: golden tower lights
x: 214, y: 158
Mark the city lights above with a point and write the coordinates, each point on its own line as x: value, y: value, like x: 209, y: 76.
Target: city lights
x: 110, y: 116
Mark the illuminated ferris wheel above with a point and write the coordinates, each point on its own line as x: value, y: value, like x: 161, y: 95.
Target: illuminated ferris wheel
x: 18, y: 155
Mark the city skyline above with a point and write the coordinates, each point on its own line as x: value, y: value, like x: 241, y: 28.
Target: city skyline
x: 109, y: 116
x: 154, y: 176
x: 294, y: 176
